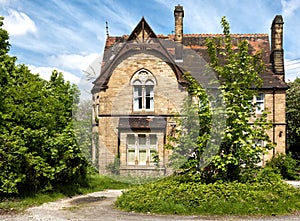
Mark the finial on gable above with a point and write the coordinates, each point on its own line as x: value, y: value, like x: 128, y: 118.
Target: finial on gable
x: 106, y: 27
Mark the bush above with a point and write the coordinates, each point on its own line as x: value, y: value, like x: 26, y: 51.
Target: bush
x: 114, y: 167
x: 286, y: 165
x: 268, y: 175
x: 172, y: 196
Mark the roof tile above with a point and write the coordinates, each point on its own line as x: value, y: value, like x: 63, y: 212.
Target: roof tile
x: 196, y: 42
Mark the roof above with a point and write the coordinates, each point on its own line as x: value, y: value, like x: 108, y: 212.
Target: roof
x: 196, y: 42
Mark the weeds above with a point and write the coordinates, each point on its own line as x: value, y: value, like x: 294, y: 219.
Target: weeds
x: 264, y: 195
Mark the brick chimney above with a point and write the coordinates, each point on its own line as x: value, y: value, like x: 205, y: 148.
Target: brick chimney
x: 277, y: 59
x: 178, y: 14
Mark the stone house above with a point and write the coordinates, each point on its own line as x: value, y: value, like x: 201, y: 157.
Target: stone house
x: 140, y: 87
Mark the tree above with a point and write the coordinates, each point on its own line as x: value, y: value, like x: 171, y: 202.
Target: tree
x: 239, y: 76
x: 293, y: 116
x: 82, y: 116
x: 38, y: 146
x: 192, y: 132
x: 7, y: 63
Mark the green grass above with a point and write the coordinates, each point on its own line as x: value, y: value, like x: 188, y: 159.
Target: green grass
x: 95, y: 183
x: 18, y: 204
x: 172, y: 196
x: 99, y: 182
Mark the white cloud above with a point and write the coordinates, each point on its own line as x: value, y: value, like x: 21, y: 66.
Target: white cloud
x: 292, y: 69
x: 45, y: 73
x: 4, y: 2
x: 18, y: 23
x: 73, y: 61
x: 289, y: 7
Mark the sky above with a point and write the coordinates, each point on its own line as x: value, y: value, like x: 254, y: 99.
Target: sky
x: 68, y: 35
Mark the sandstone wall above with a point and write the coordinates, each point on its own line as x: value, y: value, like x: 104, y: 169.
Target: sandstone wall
x: 117, y: 101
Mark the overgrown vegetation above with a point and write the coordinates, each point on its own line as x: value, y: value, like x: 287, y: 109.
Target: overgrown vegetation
x: 231, y: 183
x: 114, y: 167
x: 189, y: 138
x: 288, y: 167
x: 266, y: 194
x: 38, y: 146
x: 238, y: 73
x: 293, y: 118
x: 95, y: 182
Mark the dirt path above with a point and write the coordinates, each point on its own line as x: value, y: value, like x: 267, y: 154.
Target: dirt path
x: 99, y: 206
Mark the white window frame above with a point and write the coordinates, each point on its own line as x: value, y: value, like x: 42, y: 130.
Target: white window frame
x: 259, y: 103
x: 141, y: 96
x: 149, y: 148
x: 143, y: 83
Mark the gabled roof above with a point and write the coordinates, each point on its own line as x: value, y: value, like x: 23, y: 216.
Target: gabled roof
x: 257, y: 42
x: 141, y: 40
x: 143, y: 34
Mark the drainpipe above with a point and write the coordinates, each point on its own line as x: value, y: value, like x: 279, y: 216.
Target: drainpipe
x: 164, y: 149
x: 274, y: 115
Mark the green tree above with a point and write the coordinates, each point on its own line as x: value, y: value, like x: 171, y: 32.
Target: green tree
x: 293, y: 116
x: 38, y: 146
x: 82, y: 116
x: 239, y: 75
x: 7, y: 63
x: 190, y: 136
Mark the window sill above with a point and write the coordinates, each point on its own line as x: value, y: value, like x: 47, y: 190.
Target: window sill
x: 143, y: 112
x: 138, y: 167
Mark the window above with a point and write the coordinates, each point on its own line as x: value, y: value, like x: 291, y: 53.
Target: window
x: 258, y: 143
x: 143, y: 96
x: 143, y: 90
x: 141, y: 149
x: 260, y: 105
x: 152, y: 147
x: 130, y: 149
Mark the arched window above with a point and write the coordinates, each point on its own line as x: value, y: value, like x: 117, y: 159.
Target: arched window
x: 143, y: 91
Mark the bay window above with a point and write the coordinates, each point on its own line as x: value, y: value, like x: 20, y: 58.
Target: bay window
x: 141, y: 149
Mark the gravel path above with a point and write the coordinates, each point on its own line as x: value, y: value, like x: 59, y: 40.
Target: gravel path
x: 99, y: 206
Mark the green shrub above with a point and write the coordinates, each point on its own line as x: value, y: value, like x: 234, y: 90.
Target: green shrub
x: 181, y: 195
x: 114, y: 167
x: 286, y: 165
x: 249, y: 174
x: 268, y: 175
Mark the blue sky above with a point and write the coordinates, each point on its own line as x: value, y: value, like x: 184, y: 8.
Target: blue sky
x: 68, y: 35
